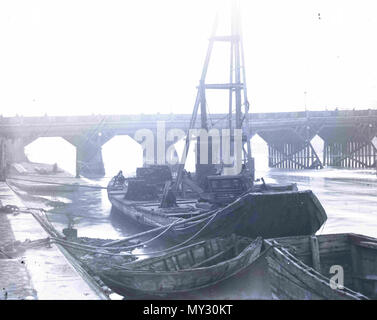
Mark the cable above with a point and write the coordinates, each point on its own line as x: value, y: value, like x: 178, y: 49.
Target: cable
x: 84, y: 246
x: 180, y: 244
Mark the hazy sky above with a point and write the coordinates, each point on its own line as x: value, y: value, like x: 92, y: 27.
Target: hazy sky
x: 83, y: 57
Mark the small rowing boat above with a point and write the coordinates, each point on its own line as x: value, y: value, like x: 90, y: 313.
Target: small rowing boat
x: 192, y: 267
x: 333, y: 267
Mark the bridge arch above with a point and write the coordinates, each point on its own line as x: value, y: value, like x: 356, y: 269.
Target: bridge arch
x: 122, y: 152
x: 259, y: 151
x: 52, y: 150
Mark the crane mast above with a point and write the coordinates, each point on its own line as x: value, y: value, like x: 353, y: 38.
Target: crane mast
x: 238, y: 112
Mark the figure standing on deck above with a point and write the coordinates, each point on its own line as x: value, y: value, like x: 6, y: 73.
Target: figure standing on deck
x: 120, y: 178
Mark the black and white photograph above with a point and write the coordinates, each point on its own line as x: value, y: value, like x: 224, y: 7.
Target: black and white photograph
x: 197, y: 151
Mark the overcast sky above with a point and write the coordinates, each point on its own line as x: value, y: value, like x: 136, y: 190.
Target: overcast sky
x: 145, y: 56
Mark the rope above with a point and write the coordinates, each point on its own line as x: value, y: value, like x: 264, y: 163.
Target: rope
x: 180, y: 244
x: 220, y: 119
x: 94, y: 249
x: 156, y: 237
x: 202, y: 216
x: 5, y: 254
x: 84, y: 246
x: 46, y: 224
x: 56, y: 238
x: 75, y: 246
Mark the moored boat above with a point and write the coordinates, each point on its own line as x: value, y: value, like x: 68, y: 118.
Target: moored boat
x: 45, y: 186
x: 267, y: 214
x: 228, y: 200
x: 332, y: 267
x: 192, y: 267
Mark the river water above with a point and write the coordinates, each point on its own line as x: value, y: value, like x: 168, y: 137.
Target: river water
x: 348, y: 196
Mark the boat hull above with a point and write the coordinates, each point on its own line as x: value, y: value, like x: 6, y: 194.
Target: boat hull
x: 270, y: 215
x: 40, y: 187
x: 159, y: 283
x: 299, y: 268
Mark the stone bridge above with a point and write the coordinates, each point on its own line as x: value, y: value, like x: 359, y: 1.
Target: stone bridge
x: 347, y: 135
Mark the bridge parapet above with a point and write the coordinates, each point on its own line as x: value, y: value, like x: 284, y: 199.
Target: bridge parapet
x: 288, y: 134
x: 184, y: 117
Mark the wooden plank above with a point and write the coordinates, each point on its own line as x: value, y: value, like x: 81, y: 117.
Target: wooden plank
x: 176, y: 262
x: 356, y: 268
x: 286, y: 286
x: 192, y: 256
x: 368, y: 244
x: 315, y: 253
x: 201, y: 263
x: 333, y: 243
x: 285, y: 158
x: 165, y: 265
x: 310, y: 278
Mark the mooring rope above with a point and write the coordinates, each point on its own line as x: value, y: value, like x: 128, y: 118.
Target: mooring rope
x: 57, y: 237
x: 180, y: 244
x: 74, y: 246
x: 85, y: 246
x: 202, y: 216
x: 98, y: 250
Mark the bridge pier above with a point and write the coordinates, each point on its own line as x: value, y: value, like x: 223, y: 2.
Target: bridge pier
x: 350, y: 146
x: 89, y: 161
x: 13, y: 149
x: 293, y: 156
x: 350, y: 154
x: 291, y: 148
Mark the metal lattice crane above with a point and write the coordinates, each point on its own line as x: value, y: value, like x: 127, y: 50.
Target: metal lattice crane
x: 238, y: 119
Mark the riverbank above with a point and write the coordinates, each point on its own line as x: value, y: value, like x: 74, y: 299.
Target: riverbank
x: 43, y: 272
